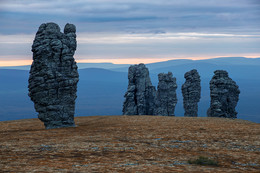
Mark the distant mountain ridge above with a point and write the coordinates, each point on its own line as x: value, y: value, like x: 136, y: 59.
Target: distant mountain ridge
x: 213, y: 61
x: 157, y: 65
x: 101, y: 91
x: 80, y: 66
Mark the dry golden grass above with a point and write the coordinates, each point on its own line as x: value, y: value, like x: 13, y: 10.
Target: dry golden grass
x: 130, y: 144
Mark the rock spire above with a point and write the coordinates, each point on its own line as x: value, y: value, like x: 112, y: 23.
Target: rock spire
x: 166, y: 98
x: 224, y: 94
x: 140, y: 95
x: 54, y: 75
x: 191, y: 91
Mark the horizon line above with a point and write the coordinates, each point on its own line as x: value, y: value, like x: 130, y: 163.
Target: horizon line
x: 8, y: 63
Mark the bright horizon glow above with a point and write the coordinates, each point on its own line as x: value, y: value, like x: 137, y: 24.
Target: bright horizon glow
x: 9, y: 63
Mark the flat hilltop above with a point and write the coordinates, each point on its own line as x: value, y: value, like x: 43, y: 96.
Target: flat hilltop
x: 131, y: 144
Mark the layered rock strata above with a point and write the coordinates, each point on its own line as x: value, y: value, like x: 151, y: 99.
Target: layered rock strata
x: 54, y: 75
x: 224, y: 94
x: 191, y: 91
x: 166, y: 98
x: 140, y: 94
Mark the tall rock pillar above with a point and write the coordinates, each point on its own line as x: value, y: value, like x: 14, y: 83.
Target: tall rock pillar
x: 166, y: 98
x: 191, y: 91
x: 140, y: 94
x: 224, y: 94
x: 54, y: 75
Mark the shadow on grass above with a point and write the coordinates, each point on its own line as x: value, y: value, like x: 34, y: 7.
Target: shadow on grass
x: 203, y: 161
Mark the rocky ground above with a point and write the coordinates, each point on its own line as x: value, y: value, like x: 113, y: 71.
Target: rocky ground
x: 131, y: 144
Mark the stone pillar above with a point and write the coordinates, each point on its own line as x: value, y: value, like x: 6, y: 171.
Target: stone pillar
x: 166, y: 98
x: 140, y: 94
x: 224, y: 94
x: 191, y: 91
x: 54, y: 75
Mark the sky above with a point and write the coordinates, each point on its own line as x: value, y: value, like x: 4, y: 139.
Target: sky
x: 135, y: 31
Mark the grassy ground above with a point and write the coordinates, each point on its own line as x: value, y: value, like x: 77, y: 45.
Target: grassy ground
x: 131, y: 144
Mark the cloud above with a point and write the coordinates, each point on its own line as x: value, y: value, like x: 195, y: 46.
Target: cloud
x: 136, y: 28
x: 125, y: 38
x: 16, y: 39
x: 103, y: 38
x: 133, y: 15
x: 146, y: 45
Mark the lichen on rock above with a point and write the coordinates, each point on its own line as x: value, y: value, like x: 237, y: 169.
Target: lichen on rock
x: 54, y: 75
x: 224, y: 94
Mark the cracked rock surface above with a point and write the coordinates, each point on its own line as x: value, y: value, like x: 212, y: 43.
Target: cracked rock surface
x: 191, y: 91
x: 224, y: 94
x: 166, y: 98
x: 140, y: 94
x: 54, y: 75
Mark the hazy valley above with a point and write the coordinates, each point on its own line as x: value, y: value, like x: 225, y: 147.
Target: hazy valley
x: 102, y: 86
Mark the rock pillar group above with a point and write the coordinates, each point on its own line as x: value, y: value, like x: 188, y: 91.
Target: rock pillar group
x: 141, y: 97
x: 54, y: 76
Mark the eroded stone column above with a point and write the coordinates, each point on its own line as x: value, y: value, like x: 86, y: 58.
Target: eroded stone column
x: 191, y: 91
x: 166, y: 98
x: 224, y: 94
x: 54, y: 75
x: 140, y: 95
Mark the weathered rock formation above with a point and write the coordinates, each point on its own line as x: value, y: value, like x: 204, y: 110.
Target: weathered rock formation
x: 53, y: 75
x: 224, y: 94
x: 166, y: 98
x: 140, y: 95
x: 191, y: 91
